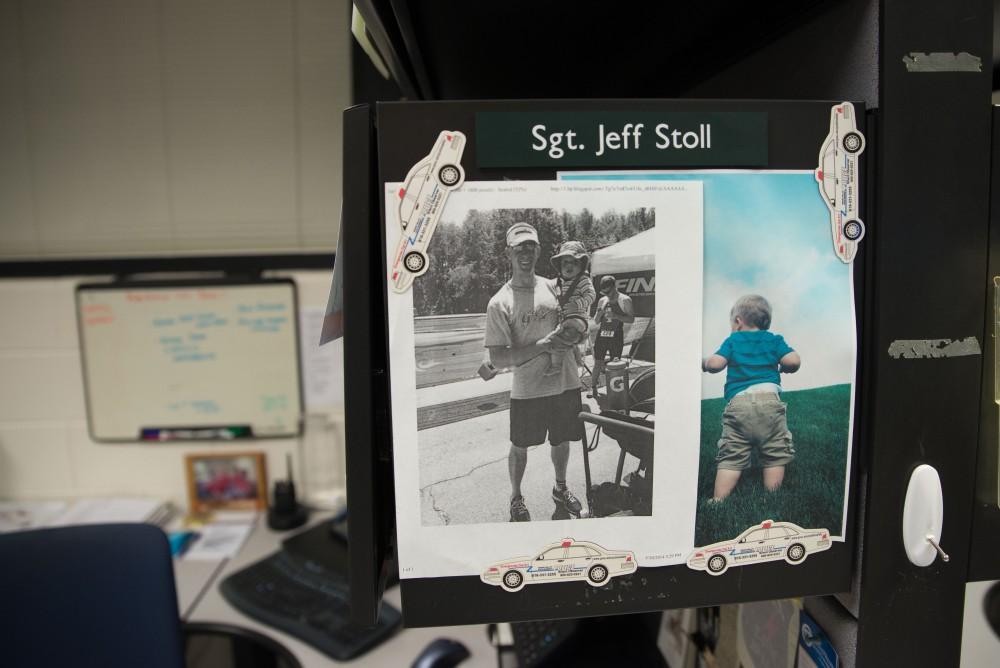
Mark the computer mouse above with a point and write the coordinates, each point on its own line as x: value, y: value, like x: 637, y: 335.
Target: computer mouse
x: 442, y: 653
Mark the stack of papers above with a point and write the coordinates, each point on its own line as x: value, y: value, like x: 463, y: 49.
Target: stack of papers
x: 20, y: 515
x: 219, y: 540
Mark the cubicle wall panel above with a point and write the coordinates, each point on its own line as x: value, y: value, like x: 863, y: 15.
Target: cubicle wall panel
x: 405, y: 131
x: 447, y: 601
x: 563, y: 54
x: 929, y: 285
x: 368, y: 488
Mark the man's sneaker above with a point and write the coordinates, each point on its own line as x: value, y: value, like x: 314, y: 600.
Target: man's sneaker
x: 566, y: 499
x: 519, y: 511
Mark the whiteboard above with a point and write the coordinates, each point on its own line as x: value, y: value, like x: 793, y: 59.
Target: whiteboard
x: 190, y: 361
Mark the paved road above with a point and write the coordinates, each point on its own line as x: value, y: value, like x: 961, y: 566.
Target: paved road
x: 464, y: 476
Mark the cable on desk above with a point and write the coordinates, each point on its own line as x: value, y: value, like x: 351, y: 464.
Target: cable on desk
x: 204, y: 590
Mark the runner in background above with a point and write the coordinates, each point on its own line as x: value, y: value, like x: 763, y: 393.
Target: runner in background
x: 614, y: 309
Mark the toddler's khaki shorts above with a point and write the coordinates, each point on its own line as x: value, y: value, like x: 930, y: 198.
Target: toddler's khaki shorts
x: 755, y: 421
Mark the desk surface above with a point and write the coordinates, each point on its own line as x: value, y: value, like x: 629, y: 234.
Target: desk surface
x: 200, y: 601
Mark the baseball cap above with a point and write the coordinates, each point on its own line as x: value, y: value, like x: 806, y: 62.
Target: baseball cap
x: 521, y: 232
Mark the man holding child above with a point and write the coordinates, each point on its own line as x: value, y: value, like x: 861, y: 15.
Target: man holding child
x: 521, y: 320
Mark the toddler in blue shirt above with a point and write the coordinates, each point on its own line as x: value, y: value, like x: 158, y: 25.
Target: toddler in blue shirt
x: 755, y: 416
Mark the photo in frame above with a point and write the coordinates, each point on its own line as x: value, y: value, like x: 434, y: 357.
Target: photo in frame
x: 226, y: 481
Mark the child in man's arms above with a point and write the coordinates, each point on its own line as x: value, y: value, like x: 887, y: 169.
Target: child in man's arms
x: 576, y: 294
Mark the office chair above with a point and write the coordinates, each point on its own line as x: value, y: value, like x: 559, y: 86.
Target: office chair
x: 991, y: 608
x: 97, y: 595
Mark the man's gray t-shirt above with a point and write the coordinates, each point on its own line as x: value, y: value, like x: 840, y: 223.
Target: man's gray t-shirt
x: 519, y: 316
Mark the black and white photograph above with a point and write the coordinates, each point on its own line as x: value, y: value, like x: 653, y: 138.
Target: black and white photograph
x: 532, y: 342
x: 508, y: 323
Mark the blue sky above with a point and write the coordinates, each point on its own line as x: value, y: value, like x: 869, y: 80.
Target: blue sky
x: 769, y: 233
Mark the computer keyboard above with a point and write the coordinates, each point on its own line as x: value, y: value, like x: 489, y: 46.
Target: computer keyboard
x: 305, y: 599
x: 538, y: 644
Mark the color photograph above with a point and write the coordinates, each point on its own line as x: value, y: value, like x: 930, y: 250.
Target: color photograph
x: 778, y: 355
x: 228, y: 481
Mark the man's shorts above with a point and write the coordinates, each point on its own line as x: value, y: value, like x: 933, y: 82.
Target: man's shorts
x: 557, y: 416
x: 754, y: 421
x: 604, y: 346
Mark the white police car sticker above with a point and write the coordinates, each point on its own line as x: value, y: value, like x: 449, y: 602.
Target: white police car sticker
x: 767, y: 541
x: 421, y: 200
x: 837, y: 178
x: 566, y: 560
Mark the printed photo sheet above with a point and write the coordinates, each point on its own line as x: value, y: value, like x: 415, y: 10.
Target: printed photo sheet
x: 451, y: 420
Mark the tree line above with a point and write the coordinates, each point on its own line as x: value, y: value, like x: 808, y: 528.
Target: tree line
x: 468, y: 260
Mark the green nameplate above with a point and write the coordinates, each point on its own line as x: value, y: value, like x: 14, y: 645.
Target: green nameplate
x: 560, y: 139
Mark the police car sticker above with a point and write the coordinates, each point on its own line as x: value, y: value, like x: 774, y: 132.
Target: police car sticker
x: 421, y: 200
x: 568, y: 559
x: 837, y: 178
x: 767, y: 541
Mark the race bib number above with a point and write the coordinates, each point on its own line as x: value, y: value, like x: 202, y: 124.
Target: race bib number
x: 607, y: 334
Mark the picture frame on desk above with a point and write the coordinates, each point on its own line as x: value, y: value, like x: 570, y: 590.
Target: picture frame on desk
x: 226, y: 481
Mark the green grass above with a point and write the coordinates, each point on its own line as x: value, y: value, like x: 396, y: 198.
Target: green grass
x: 812, y: 495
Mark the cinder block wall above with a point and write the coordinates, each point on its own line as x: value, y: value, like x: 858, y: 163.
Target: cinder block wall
x: 45, y: 450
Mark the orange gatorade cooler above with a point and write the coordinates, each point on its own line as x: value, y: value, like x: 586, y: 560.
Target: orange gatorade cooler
x: 617, y: 371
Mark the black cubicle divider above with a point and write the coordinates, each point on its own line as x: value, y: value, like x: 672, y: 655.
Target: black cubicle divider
x: 382, y: 145
x: 369, y: 479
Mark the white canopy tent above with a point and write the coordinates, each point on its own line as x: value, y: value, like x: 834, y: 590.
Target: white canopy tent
x: 631, y: 255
